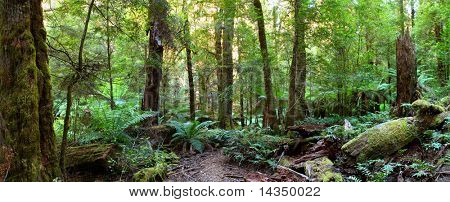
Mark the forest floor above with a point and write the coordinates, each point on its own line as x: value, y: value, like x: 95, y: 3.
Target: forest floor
x: 211, y: 166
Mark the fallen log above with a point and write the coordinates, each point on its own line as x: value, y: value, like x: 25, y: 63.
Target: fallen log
x: 90, y: 157
x: 161, y: 134
x: 308, y: 130
x: 387, y: 138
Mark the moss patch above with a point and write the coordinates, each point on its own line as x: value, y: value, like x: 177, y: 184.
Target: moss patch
x: 154, y: 174
x: 322, y: 170
x: 382, y: 140
x: 425, y: 108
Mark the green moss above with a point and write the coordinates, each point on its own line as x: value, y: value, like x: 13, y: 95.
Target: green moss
x: 86, y: 154
x: 153, y: 174
x: 382, y: 140
x: 425, y: 108
x: 322, y: 170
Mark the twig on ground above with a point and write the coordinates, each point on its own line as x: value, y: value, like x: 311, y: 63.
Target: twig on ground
x: 294, y: 172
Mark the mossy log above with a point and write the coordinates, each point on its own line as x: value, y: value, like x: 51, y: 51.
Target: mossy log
x: 387, y: 138
x: 92, y: 157
x: 382, y: 140
x: 321, y: 170
x: 161, y: 134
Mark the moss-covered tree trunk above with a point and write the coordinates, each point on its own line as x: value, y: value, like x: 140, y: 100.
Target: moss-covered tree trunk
x: 157, y: 11
x: 300, y: 83
x: 229, y: 12
x: 270, y: 116
x: 25, y: 92
x: 187, y: 46
x: 290, y: 112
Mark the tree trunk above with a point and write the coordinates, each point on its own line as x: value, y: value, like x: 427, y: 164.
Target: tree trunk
x: 219, y: 70
x: 297, y: 79
x: 25, y: 93
x: 70, y: 87
x: 187, y: 46
x: 270, y: 115
x: 301, y: 107
x: 442, y: 68
x: 108, y: 41
x: 228, y: 35
x: 406, y: 74
x: 153, y: 66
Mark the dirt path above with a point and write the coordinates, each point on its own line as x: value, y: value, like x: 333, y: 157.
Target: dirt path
x: 207, y: 167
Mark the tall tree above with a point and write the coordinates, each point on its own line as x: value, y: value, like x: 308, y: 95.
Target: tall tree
x: 157, y: 32
x: 297, y: 79
x: 26, y: 105
x: 112, y: 104
x: 229, y: 12
x: 269, y: 112
x: 218, y: 35
x: 187, y: 46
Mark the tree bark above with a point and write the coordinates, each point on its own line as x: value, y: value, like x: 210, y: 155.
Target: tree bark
x: 228, y: 35
x: 187, y: 46
x: 25, y: 93
x: 442, y: 68
x: 290, y: 112
x: 153, y: 66
x: 108, y: 42
x: 297, y: 80
x: 270, y: 114
x: 218, y: 34
x: 301, y: 107
x: 406, y: 74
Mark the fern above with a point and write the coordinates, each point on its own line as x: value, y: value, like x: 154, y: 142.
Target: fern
x: 191, y: 133
x: 138, y: 119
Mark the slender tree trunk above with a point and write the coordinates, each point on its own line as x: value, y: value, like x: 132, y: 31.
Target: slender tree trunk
x: 108, y: 41
x: 442, y: 69
x: 70, y: 87
x: 219, y: 70
x: 26, y: 108
x: 187, y: 46
x: 228, y: 35
x: 241, y: 85
x: 270, y: 115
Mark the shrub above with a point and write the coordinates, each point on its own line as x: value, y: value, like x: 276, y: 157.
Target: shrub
x: 190, y: 134
x: 254, y: 146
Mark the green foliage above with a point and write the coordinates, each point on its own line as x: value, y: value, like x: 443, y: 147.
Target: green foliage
x: 142, y: 156
x: 352, y: 179
x: 434, y: 140
x: 101, y: 124
x: 359, y: 125
x: 377, y: 170
x: 422, y: 169
x: 190, y: 134
x: 254, y: 146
